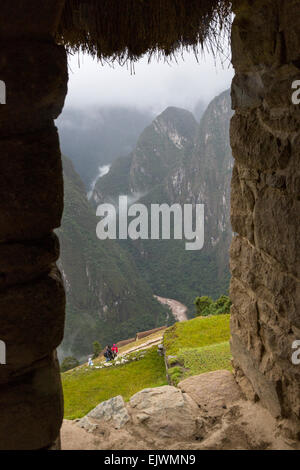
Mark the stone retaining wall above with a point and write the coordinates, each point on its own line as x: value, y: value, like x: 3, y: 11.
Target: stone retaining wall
x: 265, y: 203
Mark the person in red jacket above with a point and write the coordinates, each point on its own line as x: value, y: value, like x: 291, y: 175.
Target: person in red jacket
x: 115, y: 350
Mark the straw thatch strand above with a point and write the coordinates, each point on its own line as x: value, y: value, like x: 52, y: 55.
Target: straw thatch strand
x: 127, y: 29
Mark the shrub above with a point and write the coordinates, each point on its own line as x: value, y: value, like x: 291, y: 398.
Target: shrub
x: 97, y: 348
x: 173, y: 361
x: 175, y: 374
x: 203, y: 305
x: 68, y: 363
x: 222, y: 305
x: 206, y: 306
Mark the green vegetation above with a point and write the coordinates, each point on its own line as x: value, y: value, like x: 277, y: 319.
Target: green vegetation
x: 176, y: 273
x: 175, y: 374
x: 205, y: 359
x: 85, y: 388
x: 195, y: 361
x: 97, y: 348
x: 173, y: 361
x: 196, y: 333
x: 205, y: 305
x: 69, y: 363
x: 197, y: 346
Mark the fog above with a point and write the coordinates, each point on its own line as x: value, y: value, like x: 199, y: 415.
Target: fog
x: 107, y: 108
x: 152, y: 86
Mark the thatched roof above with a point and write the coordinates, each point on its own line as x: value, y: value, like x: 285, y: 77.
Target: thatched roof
x: 127, y: 29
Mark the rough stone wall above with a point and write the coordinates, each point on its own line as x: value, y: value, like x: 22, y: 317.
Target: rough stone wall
x: 265, y: 204
x: 32, y: 300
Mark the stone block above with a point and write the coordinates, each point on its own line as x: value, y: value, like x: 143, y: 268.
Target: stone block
x: 270, y: 283
x: 242, y: 200
x: 265, y: 389
x: 256, y: 147
x: 247, y: 91
x: 278, y: 87
x: 30, y: 19
x: 32, y: 408
x: 276, y: 228
x: 164, y: 411
x: 213, y: 391
x: 35, y: 75
x: 244, y: 318
x: 31, y: 186
x: 113, y: 410
x: 289, y: 23
x: 32, y: 322
x: 23, y: 262
x: 253, y: 39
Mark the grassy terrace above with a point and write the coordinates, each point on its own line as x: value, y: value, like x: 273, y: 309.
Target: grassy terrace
x: 199, y: 345
x: 85, y: 388
x: 195, y: 333
x: 213, y: 357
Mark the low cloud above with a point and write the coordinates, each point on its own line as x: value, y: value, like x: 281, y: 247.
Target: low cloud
x: 154, y: 86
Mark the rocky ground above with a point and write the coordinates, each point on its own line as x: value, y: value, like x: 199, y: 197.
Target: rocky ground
x: 205, y: 412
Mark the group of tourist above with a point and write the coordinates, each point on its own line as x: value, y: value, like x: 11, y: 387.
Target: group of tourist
x: 111, y: 353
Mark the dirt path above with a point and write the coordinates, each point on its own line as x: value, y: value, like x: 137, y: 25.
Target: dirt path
x: 178, y: 309
x: 146, y: 345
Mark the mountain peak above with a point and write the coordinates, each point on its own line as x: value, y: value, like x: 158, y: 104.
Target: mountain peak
x: 177, y: 121
x: 173, y: 111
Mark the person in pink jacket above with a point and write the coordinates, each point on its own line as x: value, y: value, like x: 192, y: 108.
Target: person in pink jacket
x: 115, y: 350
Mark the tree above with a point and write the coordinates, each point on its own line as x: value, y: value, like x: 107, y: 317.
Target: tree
x: 203, y: 305
x: 206, y: 306
x: 69, y: 363
x: 222, y: 305
x: 97, y: 348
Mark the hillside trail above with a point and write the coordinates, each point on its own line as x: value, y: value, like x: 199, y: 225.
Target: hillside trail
x: 177, y: 308
x: 146, y: 345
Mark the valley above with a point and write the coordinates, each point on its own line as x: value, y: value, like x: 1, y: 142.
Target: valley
x: 111, y: 284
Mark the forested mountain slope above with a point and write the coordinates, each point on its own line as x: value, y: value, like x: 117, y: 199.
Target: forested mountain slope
x: 106, y: 298
x: 177, y: 160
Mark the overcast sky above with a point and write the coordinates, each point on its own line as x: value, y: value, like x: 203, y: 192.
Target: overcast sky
x: 154, y: 86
